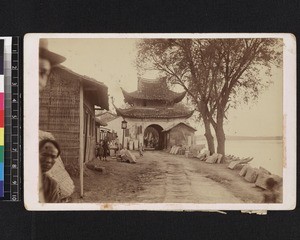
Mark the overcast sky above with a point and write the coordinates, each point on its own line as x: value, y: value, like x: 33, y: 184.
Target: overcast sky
x: 112, y: 61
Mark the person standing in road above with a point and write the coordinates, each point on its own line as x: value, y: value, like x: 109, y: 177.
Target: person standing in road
x: 105, y: 149
x: 141, y: 149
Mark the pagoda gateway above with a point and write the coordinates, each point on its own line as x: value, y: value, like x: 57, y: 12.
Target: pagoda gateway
x: 156, y: 118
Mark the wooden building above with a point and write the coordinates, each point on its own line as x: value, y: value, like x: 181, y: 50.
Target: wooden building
x: 67, y: 110
x: 179, y: 134
x: 154, y: 116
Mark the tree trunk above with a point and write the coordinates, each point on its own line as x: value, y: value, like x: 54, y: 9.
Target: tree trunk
x: 220, y: 135
x: 209, y: 137
x: 221, y: 140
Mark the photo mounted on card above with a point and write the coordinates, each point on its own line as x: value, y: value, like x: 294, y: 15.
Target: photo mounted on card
x: 168, y: 122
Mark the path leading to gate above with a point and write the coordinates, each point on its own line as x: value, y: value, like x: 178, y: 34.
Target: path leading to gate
x: 160, y: 177
x: 181, y: 181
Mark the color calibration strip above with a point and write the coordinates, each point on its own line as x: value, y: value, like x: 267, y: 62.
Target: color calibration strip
x: 12, y: 124
x: 1, y: 118
x: 7, y: 112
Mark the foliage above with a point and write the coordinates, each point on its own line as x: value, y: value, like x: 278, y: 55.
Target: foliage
x: 216, y: 73
x: 213, y: 71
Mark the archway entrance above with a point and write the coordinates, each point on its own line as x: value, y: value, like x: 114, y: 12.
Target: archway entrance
x: 153, y: 139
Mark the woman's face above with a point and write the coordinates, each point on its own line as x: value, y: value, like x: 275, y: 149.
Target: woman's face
x: 48, y: 154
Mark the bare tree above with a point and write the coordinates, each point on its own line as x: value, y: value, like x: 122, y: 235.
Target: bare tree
x: 216, y: 73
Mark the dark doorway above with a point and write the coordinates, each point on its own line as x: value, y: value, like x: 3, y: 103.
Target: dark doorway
x: 153, y: 137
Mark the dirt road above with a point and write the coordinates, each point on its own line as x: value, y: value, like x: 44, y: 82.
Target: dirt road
x: 181, y: 181
x: 160, y: 177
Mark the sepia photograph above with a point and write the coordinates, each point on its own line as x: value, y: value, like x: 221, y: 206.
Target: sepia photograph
x: 159, y: 122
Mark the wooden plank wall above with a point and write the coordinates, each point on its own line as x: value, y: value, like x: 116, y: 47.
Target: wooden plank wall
x: 59, y: 114
x: 179, y: 135
x: 91, y: 139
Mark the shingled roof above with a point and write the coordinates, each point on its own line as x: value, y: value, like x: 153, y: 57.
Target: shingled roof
x: 106, y: 117
x: 153, y: 89
x: 159, y: 112
x: 176, y: 124
x: 97, y: 90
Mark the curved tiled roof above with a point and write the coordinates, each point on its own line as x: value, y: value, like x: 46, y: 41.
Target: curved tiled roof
x: 160, y: 112
x: 156, y: 89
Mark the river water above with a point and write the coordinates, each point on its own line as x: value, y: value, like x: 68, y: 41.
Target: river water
x: 265, y: 153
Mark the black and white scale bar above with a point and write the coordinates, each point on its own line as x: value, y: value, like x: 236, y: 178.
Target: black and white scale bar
x: 12, y: 155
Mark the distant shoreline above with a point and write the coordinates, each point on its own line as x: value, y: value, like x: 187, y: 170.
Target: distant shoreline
x: 243, y: 138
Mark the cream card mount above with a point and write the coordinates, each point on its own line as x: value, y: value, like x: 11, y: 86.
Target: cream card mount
x: 164, y: 122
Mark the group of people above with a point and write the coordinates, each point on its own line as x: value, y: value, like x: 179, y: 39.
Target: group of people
x: 122, y: 153
x: 102, y: 150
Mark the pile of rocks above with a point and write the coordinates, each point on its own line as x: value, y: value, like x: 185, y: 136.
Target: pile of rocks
x: 261, y: 178
x: 177, y: 150
x: 236, y: 162
x: 206, y: 157
x: 191, y: 151
x: 258, y: 176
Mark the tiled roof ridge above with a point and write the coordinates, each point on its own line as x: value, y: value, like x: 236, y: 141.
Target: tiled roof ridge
x: 154, y: 113
x: 168, y: 95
